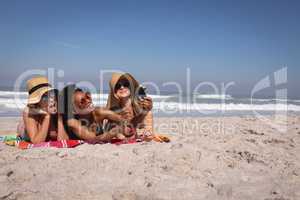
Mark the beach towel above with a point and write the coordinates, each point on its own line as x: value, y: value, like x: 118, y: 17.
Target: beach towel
x: 160, y: 138
x: 4, y: 138
x: 57, y: 144
x: 15, y: 140
x: 115, y: 141
x: 156, y: 138
x: 126, y: 141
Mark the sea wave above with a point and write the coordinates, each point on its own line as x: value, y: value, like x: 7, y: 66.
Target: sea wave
x: 213, y: 96
x: 16, y: 101
x: 275, y: 100
x: 12, y: 94
x: 166, y: 106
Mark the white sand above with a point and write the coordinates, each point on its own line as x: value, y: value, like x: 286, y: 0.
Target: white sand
x: 208, y: 158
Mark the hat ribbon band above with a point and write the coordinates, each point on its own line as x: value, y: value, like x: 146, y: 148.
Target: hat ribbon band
x: 35, y: 88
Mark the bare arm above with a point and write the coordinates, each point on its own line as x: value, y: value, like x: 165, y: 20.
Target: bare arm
x: 102, y: 113
x: 144, y: 122
x: 80, y: 131
x: 106, y: 136
x: 61, y: 133
x: 35, y: 133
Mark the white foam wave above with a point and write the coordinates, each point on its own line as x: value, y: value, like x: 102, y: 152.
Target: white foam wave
x: 8, y: 102
x: 12, y: 94
x: 276, y: 100
x: 214, y: 96
x: 165, y: 106
x: 225, y: 107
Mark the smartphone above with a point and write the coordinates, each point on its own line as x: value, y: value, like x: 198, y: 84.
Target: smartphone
x: 141, y: 94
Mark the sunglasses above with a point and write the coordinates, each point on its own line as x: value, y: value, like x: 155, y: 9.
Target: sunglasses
x: 48, y: 96
x: 122, y: 83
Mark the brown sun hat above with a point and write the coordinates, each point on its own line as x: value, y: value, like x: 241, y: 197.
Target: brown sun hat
x: 113, y: 103
x: 36, y: 87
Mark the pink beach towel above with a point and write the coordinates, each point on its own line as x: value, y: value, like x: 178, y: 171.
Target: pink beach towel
x: 58, y: 144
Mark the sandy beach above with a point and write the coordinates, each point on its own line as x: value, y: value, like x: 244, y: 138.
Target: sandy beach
x: 208, y: 158
x: 217, y: 81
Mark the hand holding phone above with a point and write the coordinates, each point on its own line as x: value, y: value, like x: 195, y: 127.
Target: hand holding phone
x: 141, y: 92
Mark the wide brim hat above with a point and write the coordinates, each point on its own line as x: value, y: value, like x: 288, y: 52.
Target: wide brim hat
x: 36, y: 88
x: 113, y: 103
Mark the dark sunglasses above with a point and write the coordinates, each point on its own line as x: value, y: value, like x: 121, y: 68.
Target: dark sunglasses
x: 48, y: 95
x: 122, y: 83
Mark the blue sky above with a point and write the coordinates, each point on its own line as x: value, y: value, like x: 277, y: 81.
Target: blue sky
x: 220, y: 41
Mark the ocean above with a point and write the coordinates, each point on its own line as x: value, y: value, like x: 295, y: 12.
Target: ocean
x: 12, y: 103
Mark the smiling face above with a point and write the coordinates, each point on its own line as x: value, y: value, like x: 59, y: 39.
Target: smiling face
x: 122, y: 89
x: 83, y: 103
x: 48, y: 102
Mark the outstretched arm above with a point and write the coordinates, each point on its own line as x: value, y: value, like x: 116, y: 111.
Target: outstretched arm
x: 109, y: 135
x: 80, y: 131
x: 144, y: 122
x: 103, y: 113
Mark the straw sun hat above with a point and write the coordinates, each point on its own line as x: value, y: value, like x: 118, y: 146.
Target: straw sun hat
x: 36, y: 87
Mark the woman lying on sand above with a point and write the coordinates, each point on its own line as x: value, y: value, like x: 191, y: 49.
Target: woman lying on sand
x: 135, y: 108
x: 86, y: 120
x: 72, y: 115
x: 41, y: 121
